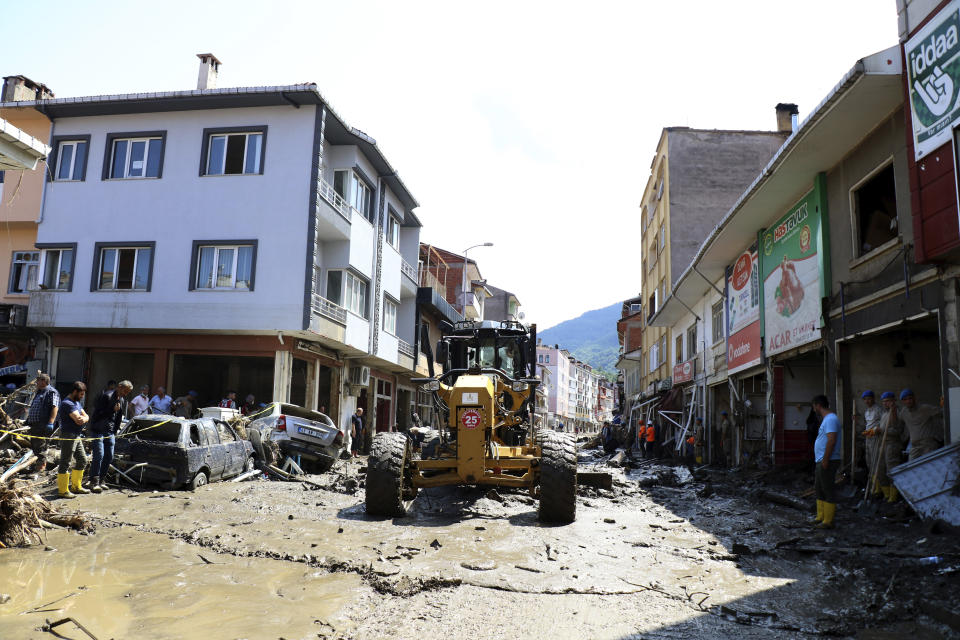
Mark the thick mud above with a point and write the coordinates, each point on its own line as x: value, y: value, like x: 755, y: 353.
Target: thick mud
x: 661, y: 555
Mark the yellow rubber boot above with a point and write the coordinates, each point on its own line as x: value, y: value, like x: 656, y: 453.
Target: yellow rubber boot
x: 885, y: 490
x: 63, y: 486
x: 829, y: 511
x: 75, y: 477
x: 892, y: 494
x: 819, y: 517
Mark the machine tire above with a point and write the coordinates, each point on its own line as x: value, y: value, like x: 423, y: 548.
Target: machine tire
x: 558, y: 477
x: 199, y: 480
x: 389, y: 486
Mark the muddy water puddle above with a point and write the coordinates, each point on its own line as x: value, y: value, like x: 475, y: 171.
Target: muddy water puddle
x: 126, y: 584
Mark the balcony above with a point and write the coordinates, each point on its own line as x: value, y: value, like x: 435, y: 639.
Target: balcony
x: 408, y: 270
x: 404, y: 348
x: 408, y: 282
x: 327, y: 192
x: 471, y: 306
x: 334, y: 215
x: 330, y: 310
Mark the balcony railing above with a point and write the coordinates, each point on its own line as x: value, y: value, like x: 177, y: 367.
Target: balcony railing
x: 327, y: 309
x: 404, y: 348
x: 408, y: 270
x: 335, y: 200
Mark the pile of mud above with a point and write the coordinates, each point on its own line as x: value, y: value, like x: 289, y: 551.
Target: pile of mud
x: 24, y: 514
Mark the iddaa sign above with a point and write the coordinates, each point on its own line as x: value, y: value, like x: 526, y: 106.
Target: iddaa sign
x: 933, y: 79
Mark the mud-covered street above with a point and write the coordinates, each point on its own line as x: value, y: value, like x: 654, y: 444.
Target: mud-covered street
x: 661, y: 555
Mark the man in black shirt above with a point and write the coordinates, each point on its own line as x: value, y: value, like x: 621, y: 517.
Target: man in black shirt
x: 108, y: 411
x: 357, y: 432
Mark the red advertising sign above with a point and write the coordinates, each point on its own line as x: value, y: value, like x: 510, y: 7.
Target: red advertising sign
x: 470, y: 419
x: 744, y: 348
x: 683, y: 372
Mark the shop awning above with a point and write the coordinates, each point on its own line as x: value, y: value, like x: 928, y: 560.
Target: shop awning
x: 868, y: 94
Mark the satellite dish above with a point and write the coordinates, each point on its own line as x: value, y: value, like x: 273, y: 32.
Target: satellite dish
x: 521, y: 315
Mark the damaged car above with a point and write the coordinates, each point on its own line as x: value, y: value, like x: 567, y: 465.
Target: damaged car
x: 308, y: 437
x: 181, y: 452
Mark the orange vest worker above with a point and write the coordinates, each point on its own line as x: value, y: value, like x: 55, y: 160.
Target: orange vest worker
x: 651, y: 433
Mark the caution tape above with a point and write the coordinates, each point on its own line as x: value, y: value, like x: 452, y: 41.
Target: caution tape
x: 125, y: 434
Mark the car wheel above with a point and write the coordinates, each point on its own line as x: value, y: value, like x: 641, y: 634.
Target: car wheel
x: 199, y: 480
x: 249, y: 466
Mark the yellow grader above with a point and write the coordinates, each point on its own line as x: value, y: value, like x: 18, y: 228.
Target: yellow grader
x: 486, y: 400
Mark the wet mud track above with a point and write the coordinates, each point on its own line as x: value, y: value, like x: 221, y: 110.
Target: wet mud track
x: 652, y: 558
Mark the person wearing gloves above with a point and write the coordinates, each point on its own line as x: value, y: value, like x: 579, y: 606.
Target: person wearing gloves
x: 827, y: 451
x: 871, y: 423
x: 108, y: 411
x: 72, y: 418
x: 890, y: 436
x: 924, y: 424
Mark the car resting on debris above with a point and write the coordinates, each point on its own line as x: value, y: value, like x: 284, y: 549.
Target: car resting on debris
x: 178, y: 452
x: 309, y: 437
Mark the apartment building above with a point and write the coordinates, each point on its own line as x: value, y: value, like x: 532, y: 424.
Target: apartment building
x: 212, y: 239
x: 502, y: 305
x: 467, y: 293
x: 630, y: 363
x: 695, y: 177
x: 24, y: 134
x: 561, y: 402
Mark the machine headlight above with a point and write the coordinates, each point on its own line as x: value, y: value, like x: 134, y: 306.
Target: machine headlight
x: 433, y: 385
x: 519, y: 386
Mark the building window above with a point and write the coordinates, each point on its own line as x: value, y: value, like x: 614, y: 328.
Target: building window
x: 393, y: 232
x: 547, y: 358
x: 389, y: 316
x: 70, y: 163
x: 874, y: 204
x: 23, y: 271
x: 692, y: 340
x: 56, y: 268
x: 653, y: 254
x: 361, y: 195
x: 678, y: 347
x: 717, y: 322
x: 122, y: 268
x: 224, y: 265
x: 233, y: 151
x: 348, y: 290
x: 653, y: 358
x: 134, y: 155
x: 540, y: 358
x: 663, y: 237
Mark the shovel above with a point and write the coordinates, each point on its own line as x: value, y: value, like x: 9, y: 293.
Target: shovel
x: 870, y: 506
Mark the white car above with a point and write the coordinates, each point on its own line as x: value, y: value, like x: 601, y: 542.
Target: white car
x: 310, y: 436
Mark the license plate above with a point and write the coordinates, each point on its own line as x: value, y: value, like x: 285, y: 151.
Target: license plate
x: 310, y: 432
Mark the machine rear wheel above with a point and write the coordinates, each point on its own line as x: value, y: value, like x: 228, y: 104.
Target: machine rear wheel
x: 389, y: 482
x: 558, y: 477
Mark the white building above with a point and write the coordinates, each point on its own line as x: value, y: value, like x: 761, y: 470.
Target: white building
x: 213, y: 239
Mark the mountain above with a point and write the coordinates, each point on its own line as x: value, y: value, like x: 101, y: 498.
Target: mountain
x: 591, y: 337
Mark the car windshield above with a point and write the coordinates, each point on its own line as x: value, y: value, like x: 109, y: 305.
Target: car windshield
x: 152, y: 430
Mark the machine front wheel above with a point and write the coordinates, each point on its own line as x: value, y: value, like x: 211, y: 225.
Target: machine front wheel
x: 389, y: 481
x: 558, y: 477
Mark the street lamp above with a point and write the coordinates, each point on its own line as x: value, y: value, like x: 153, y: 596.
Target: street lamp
x: 463, y: 303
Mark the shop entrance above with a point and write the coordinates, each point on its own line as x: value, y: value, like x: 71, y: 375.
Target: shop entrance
x: 324, y: 399
x: 384, y: 398
x: 211, y: 376
x: 117, y: 366
x: 298, y: 383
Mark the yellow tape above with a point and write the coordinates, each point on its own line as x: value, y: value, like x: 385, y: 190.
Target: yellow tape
x: 126, y: 434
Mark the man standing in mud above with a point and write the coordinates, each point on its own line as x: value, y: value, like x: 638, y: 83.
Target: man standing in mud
x: 41, y: 418
x: 108, y: 411
x: 923, y: 425
x: 356, y: 431
x: 871, y: 433
x: 72, y: 419
x: 827, y: 451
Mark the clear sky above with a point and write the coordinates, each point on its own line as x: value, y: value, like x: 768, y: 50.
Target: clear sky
x: 527, y: 124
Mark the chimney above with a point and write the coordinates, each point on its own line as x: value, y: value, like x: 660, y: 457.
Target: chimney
x: 209, y: 67
x: 21, y: 88
x: 787, y: 117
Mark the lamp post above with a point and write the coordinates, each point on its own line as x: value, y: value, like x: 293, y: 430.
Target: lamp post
x: 463, y: 300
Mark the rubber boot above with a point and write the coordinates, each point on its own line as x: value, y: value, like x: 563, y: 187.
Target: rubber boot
x: 95, y: 484
x: 63, y: 486
x: 829, y: 511
x: 819, y: 517
x: 892, y: 494
x: 75, y: 477
x: 885, y: 490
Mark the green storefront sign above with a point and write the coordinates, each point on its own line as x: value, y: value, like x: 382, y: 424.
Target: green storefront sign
x: 933, y: 79
x: 794, y: 268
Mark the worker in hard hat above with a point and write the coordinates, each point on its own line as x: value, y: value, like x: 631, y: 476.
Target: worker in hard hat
x: 651, y: 439
x: 923, y: 422
x: 890, y: 436
x: 870, y: 419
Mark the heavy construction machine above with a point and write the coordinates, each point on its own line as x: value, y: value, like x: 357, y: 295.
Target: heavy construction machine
x: 485, y: 398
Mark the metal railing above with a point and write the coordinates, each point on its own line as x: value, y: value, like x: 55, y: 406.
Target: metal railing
x: 404, y: 348
x: 327, y: 309
x: 408, y: 270
x: 335, y: 200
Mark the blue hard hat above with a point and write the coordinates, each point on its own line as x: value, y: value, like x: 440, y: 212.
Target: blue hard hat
x: 723, y: 413
x: 193, y: 394
x: 867, y: 394
x: 887, y: 395
x: 905, y: 393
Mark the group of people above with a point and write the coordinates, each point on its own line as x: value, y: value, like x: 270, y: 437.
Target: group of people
x: 48, y: 413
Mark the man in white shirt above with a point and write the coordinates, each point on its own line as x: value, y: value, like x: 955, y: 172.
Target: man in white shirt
x: 139, y: 404
x: 161, y: 401
x: 871, y: 430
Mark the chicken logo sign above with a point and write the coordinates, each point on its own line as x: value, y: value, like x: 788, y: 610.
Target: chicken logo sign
x: 933, y: 79
x: 792, y: 278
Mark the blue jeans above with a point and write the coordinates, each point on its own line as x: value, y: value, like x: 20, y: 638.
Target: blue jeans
x: 102, y: 455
